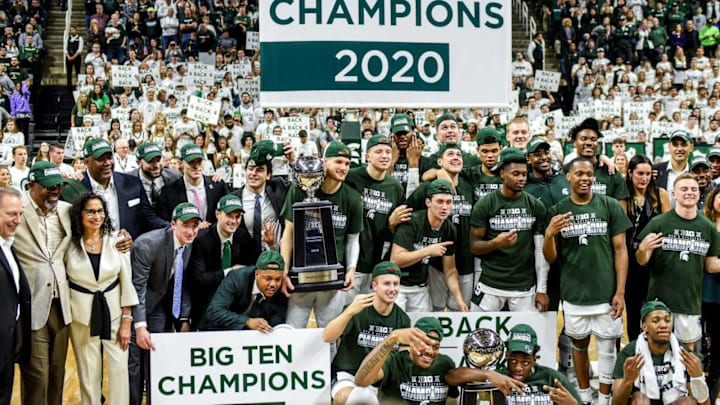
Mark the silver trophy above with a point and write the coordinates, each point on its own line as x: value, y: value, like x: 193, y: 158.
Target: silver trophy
x: 315, y: 264
x: 483, y: 349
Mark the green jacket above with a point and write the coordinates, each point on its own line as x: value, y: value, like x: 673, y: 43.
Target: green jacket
x: 548, y: 190
x: 658, y: 36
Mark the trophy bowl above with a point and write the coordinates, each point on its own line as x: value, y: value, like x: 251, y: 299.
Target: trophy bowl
x: 483, y: 348
x: 309, y: 175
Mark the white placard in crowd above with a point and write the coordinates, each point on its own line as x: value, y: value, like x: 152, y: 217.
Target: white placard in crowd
x: 124, y: 76
x: 6, y: 154
x: 153, y: 71
x: 608, y: 109
x: 76, y: 139
x: 291, y: 126
x: 565, y: 124
x: 469, y: 147
x: 252, y: 40
x: 252, y: 86
x: 203, y: 110
x: 586, y: 109
x: 662, y: 127
x: 457, y: 325
x: 641, y: 108
x: 238, y: 179
x: 201, y: 73
x: 121, y: 113
x: 290, y: 366
x: 635, y: 126
x: 545, y: 80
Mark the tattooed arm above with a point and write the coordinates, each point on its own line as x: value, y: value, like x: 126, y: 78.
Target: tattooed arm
x: 370, y: 370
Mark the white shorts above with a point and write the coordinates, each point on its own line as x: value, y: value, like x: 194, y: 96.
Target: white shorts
x: 582, y: 321
x: 440, y: 295
x: 495, y: 303
x: 413, y: 299
x: 687, y: 328
x: 344, y: 379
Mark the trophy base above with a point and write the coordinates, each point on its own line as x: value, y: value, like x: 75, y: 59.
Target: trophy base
x: 317, y: 278
x: 480, y: 393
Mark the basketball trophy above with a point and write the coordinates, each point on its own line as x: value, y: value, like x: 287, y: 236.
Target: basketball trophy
x: 483, y: 349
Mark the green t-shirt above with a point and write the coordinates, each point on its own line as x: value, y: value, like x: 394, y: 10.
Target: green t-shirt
x: 460, y: 216
x: 415, y: 235
x: 549, y: 191
x: 430, y: 162
x: 346, y: 212
x: 365, y: 331
x: 380, y: 198
x: 511, y: 268
x: 482, y: 183
x: 412, y: 384
x: 400, y: 170
x: 587, y: 245
x: 534, y: 392
x: 610, y: 185
x: 676, y: 269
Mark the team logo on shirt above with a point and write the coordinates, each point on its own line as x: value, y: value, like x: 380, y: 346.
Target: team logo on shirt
x: 582, y: 240
x: 426, y: 241
x: 512, y: 218
x: 686, y: 242
x: 400, y: 172
x: 598, y: 188
x: 460, y: 208
x: 373, y: 335
x: 481, y: 190
x: 583, y: 226
x: 375, y: 202
x: 532, y: 396
x: 424, y: 389
x: 338, y: 217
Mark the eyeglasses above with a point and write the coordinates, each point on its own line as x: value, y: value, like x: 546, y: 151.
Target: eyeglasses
x: 95, y: 213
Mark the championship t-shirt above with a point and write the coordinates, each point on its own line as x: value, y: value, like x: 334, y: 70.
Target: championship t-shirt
x: 610, y: 185
x: 412, y: 384
x: 534, y: 392
x: 482, y: 183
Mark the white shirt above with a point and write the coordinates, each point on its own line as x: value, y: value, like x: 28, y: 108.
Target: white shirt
x: 5, y: 245
x: 671, y: 175
x: 268, y: 212
x: 110, y: 196
x: 203, y: 196
x: 18, y: 176
x: 126, y: 165
x: 306, y: 149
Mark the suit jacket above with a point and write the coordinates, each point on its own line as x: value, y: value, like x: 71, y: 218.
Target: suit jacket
x: 152, y: 260
x: 9, y: 300
x: 168, y: 175
x: 40, y: 266
x: 234, y: 296
x: 113, y: 265
x: 205, y: 271
x: 136, y: 213
x: 276, y: 190
x: 662, y: 174
x: 175, y: 193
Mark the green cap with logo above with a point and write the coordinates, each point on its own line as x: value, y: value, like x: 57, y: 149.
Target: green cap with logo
x: 270, y: 260
x: 682, y: 134
x: 148, y: 151
x: 185, y: 212
x: 376, y: 140
x: 654, y: 305
x: 439, y: 186
x: 487, y: 136
x: 430, y: 324
x: 699, y: 161
x: 522, y: 338
x: 230, y: 203
x: 190, y: 152
x: 263, y: 152
x: 445, y: 117
x: 535, y: 143
x: 713, y: 152
x: 96, y: 147
x: 448, y: 145
x: 401, y: 123
x: 383, y: 268
x: 45, y: 173
x: 509, y: 155
x: 337, y: 149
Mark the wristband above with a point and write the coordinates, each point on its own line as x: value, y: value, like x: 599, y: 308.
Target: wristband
x: 699, y: 389
x: 130, y: 317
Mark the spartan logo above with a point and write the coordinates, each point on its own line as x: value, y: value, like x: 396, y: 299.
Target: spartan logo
x: 565, y: 191
x: 456, y: 219
x: 684, y: 255
x: 583, y: 240
x: 426, y: 402
x: 370, y: 214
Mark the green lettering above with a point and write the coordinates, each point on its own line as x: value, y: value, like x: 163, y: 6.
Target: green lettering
x: 318, y: 380
x: 490, y: 12
x: 501, y: 327
x: 249, y: 349
x: 307, y: 10
x: 365, y: 9
x: 473, y: 16
x: 161, y: 385
x: 197, y: 357
x: 207, y: 384
x: 431, y: 18
x: 395, y: 11
x: 480, y: 320
x: 298, y: 380
x: 336, y: 13
x: 446, y: 325
x: 229, y: 382
x: 274, y: 15
x: 266, y: 355
x: 182, y: 385
x: 248, y: 381
x: 287, y: 355
x: 464, y: 327
x: 283, y: 381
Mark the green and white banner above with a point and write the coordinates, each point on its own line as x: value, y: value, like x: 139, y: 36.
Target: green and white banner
x: 247, y: 367
x: 383, y: 53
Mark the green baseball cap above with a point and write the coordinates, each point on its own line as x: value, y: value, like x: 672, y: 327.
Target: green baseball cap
x: 376, y: 140
x: 400, y: 123
x: 270, y: 260
x: 684, y: 135
x: 699, y: 161
x: 190, y: 152
x: 439, y: 186
x: 148, y: 151
x: 96, y: 147
x: 447, y: 145
x: 536, y: 143
x: 522, y: 338
x: 509, y: 155
x: 713, y: 152
x: 655, y: 305
x: 230, y: 203
x: 263, y: 152
x: 487, y: 136
x: 383, y: 268
x: 430, y: 324
x: 337, y: 149
x: 445, y: 117
x: 185, y: 212
x: 45, y: 173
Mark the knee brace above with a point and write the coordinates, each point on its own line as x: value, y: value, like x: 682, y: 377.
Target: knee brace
x: 606, y: 359
x: 361, y: 396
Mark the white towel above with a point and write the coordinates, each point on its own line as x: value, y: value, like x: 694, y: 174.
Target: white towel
x: 647, y: 381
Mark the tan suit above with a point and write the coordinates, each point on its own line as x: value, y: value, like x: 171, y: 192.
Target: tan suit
x: 88, y: 355
x: 44, y: 374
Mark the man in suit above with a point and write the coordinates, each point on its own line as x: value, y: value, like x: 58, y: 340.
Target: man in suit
x: 262, y: 192
x: 14, y: 295
x: 244, y: 301
x: 159, y: 261
x: 193, y: 187
x: 223, y: 247
x: 680, y: 147
x: 127, y: 202
x: 153, y: 176
x: 41, y: 242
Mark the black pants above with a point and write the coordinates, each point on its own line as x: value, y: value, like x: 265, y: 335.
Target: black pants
x: 69, y: 65
x: 711, y: 319
x: 636, y: 290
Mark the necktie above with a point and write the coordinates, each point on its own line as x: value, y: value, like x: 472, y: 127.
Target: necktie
x: 154, y: 193
x: 177, y: 288
x: 256, y: 309
x: 257, y: 223
x: 198, y: 202
x: 226, y: 255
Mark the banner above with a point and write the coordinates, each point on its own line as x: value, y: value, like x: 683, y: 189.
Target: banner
x: 76, y: 139
x: 384, y: 54
x: 252, y: 86
x: 252, y: 40
x: 124, y: 76
x: 247, y: 367
x: 201, y: 73
x: 457, y: 325
x: 291, y: 126
x: 202, y: 110
x: 545, y: 80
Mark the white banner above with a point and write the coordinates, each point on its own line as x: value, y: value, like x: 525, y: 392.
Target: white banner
x: 285, y: 366
x: 201, y: 73
x: 457, y: 325
x: 545, y: 80
x: 291, y: 126
x: 124, y: 76
x: 252, y: 86
x: 384, y: 54
x: 76, y: 139
x: 202, y: 110
x: 252, y: 40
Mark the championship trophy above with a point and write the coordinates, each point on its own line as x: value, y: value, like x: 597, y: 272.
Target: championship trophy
x: 315, y: 265
x: 483, y: 349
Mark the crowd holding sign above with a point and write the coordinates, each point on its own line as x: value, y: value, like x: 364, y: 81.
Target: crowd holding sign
x: 546, y: 80
x: 124, y: 76
x: 201, y: 73
x: 202, y: 110
x: 291, y: 126
x: 252, y: 40
x: 76, y: 139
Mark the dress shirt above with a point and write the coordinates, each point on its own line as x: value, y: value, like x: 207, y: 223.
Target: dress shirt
x: 203, y: 196
x: 109, y: 194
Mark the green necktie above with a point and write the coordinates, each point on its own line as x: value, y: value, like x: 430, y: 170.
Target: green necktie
x: 226, y: 256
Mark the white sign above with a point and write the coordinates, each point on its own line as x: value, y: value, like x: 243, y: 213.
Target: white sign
x: 410, y: 53
x: 6, y: 158
x: 252, y: 86
x: 291, y: 126
x: 238, y: 179
x: 457, y: 325
x: 76, y: 139
x: 285, y: 366
x: 252, y: 40
x: 201, y: 73
x: 202, y: 110
x: 124, y: 76
x: 545, y: 80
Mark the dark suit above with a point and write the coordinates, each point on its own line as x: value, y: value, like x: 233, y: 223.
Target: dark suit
x: 662, y: 175
x: 168, y: 176
x: 205, y: 271
x: 234, y: 296
x: 176, y: 193
x: 276, y: 190
x: 10, y: 328
x: 136, y: 213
